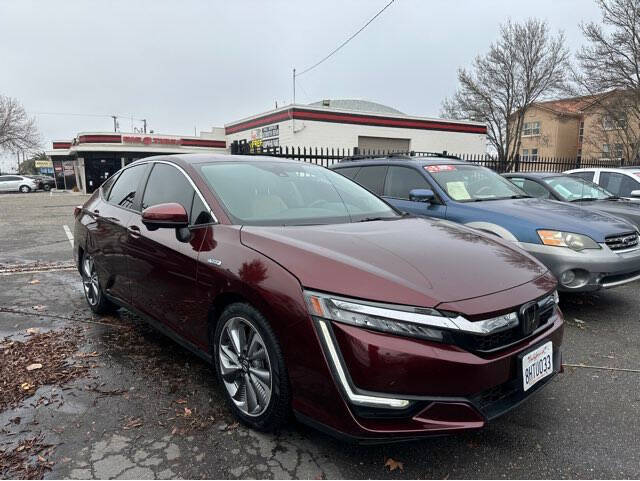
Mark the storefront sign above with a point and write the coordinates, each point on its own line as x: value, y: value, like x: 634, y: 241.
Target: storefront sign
x: 148, y: 140
x: 43, y: 163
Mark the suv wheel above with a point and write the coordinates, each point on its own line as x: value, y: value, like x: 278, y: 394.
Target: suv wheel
x: 250, y: 366
x: 92, y: 290
x: 24, y: 189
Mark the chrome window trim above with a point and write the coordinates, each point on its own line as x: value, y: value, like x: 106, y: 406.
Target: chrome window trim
x: 359, y: 399
x: 195, y: 188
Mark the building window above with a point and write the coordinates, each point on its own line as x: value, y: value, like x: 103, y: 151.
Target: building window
x: 531, y: 128
x: 529, y: 155
x: 607, y: 152
x: 581, y: 132
x: 614, y: 123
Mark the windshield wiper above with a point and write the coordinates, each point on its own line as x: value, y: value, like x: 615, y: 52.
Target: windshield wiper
x: 584, y: 199
x: 371, y: 219
x: 520, y: 196
x: 613, y: 197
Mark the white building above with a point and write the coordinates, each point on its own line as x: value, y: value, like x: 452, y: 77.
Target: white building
x: 356, y: 123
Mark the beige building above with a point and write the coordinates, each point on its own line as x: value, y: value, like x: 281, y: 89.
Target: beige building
x: 576, y: 127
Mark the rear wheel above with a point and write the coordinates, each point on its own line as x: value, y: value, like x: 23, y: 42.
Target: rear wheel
x: 92, y: 290
x: 46, y: 187
x: 25, y: 188
x: 250, y: 367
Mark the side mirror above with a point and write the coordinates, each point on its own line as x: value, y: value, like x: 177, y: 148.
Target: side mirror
x: 635, y: 193
x: 422, y: 195
x: 169, y: 216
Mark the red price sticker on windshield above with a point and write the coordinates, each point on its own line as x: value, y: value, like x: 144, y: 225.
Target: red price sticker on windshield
x: 438, y: 168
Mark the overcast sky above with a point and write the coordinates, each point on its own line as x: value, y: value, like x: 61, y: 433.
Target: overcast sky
x: 197, y: 64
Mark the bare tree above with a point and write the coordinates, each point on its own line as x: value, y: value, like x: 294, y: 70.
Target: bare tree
x: 526, y: 64
x: 610, y: 64
x: 18, y: 131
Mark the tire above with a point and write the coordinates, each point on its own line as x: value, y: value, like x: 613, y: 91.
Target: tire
x: 25, y: 189
x: 259, y: 401
x: 96, y: 299
x: 46, y: 187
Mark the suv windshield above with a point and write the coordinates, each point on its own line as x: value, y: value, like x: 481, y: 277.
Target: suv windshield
x: 287, y: 193
x: 575, y: 188
x: 469, y: 183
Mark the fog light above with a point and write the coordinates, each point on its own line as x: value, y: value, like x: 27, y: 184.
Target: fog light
x: 567, y: 277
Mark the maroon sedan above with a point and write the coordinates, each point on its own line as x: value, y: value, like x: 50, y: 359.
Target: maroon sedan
x: 310, y: 295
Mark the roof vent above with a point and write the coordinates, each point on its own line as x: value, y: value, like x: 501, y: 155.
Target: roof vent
x: 326, y: 102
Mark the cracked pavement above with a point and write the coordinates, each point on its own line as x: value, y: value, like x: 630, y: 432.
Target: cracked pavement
x: 151, y: 410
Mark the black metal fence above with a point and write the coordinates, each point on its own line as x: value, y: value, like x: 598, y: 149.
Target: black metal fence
x: 327, y: 156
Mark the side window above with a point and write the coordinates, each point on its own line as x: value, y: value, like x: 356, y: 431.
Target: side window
x: 401, y: 180
x: 584, y: 174
x: 107, y: 186
x: 372, y: 178
x: 349, y: 172
x: 618, y: 184
x: 167, y: 184
x: 124, y: 190
x: 534, y: 189
x: 518, y: 181
x: 199, y: 212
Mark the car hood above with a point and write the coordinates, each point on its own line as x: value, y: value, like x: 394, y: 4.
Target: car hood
x: 412, y: 261
x: 625, y: 209
x: 551, y: 215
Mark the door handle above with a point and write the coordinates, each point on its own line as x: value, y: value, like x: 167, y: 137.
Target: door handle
x: 134, y: 231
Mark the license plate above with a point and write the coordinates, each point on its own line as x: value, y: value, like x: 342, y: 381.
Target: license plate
x: 537, y: 365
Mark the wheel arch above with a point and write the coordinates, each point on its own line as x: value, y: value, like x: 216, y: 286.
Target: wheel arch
x: 494, y: 229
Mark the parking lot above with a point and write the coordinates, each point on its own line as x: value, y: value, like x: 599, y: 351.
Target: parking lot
x: 142, y: 407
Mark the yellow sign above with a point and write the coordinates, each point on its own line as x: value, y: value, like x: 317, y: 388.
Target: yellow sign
x: 43, y: 163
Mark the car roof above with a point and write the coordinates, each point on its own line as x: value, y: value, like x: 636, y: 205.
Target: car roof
x: 209, y: 158
x: 417, y: 161
x: 625, y: 169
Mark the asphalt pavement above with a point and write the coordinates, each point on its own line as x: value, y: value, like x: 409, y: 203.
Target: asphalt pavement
x: 149, y: 409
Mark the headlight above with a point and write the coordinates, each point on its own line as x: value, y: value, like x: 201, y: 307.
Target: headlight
x: 577, y: 242
x: 422, y: 323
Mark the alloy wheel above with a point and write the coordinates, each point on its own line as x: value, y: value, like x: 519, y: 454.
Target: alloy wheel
x: 245, y: 366
x: 90, y: 281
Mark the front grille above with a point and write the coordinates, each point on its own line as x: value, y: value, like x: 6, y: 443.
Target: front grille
x: 622, y: 241
x: 503, y: 339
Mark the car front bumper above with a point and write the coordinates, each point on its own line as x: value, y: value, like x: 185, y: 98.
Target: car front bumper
x: 595, y: 268
x: 449, y: 389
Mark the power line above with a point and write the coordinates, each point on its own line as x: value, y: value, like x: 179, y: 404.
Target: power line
x: 121, y: 116
x: 346, y: 41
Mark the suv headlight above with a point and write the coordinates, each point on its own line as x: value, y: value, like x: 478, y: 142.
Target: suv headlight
x: 422, y: 323
x: 577, y: 242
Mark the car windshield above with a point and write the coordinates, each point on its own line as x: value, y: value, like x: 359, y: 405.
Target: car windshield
x: 291, y: 193
x: 471, y: 183
x: 571, y: 188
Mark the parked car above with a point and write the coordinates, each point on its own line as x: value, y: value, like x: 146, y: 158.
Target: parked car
x: 17, y: 183
x: 580, y: 192
x: 310, y: 294
x: 586, y: 250
x: 623, y: 182
x: 45, y: 182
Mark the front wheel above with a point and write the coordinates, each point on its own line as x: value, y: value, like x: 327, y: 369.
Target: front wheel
x: 92, y: 290
x: 25, y: 188
x: 250, y: 366
x: 46, y: 187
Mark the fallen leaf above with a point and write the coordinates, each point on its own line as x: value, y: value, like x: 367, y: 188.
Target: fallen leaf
x: 181, y: 401
x: 392, y: 464
x: 187, y: 412
x: 35, y: 281
x: 34, y: 366
x: 41, y: 459
x: 38, y: 307
x: 33, y: 330
x: 26, y: 386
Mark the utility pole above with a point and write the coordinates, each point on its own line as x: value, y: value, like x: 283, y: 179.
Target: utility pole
x: 18, y: 168
x: 293, y: 120
x: 144, y: 123
x: 294, y: 86
x: 115, y: 123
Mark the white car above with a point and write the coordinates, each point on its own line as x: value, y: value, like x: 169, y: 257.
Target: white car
x: 623, y: 181
x: 17, y: 183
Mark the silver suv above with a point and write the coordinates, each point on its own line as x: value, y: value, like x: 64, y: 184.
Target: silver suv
x: 17, y: 183
x: 623, y: 182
